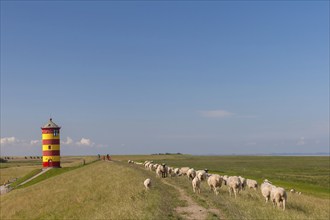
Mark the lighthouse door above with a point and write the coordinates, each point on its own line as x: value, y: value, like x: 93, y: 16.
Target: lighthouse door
x: 50, y: 163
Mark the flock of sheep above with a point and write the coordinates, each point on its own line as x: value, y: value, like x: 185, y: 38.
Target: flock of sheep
x: 277, y: 195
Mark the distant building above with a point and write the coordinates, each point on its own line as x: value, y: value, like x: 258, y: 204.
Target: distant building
x: 51, y: 145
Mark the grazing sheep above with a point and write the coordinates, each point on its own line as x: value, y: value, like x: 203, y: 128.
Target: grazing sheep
x: 184, y: 170
x: 196, y: 184
x: 214, y: 181
x: 147, y: 183
x: 162, y: 171
x: 145, y: 162
x: 154, y: 167
x: 225, y: 178
x: 159, y: 171
x: 234, y: 185
x: 243, y: 182
x: 170, y: 171
x: 201, y: 175
x: 177, y: 171
x: 266, y: 188
x: 278, y: 197
x: 146, y: 165
x: 191, y: 173
x: 252, y: 184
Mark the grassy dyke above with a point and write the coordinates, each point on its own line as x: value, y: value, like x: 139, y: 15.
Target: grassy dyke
x: 10, y: 173
x: 251, y: 205
x: 310, y: 175
x: 48, y: 174
x: 114, y: 190
x: 20, y: 167
x: 307, y: 174
x: 26, y: 177
x: 101, y: 190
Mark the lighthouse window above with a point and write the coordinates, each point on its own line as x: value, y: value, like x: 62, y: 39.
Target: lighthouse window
x: 55, y: 132
x: 49, y: 147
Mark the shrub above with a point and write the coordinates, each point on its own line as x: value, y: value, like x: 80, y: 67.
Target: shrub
x: 3, y: 160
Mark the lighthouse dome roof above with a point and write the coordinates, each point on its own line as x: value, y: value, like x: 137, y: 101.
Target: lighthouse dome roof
x: 51, y: 124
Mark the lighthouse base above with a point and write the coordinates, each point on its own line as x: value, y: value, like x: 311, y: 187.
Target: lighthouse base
x: 51, y: 164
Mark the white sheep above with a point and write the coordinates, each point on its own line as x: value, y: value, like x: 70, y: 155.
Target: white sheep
x: 183, y: 170
x: 215, y: 181
x: 146, y: 165
x: 151, y: 167
x: 170, y: 171
x: 225, y: 178
x: 201, y: 175
x: 234, y: 185
x: 177, y: 171
x: 243, y: 182
x: 191, y: 173
x: 252, y: 184
x: 162, y: 171
x: 266, y: 188
x: 196, y: 184
x: 159, y: 171
x: 147, y: 183
x: 278, y: 197
x: 154, y: 167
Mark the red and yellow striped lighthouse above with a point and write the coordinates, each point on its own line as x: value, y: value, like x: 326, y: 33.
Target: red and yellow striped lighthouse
x: 51, y: 145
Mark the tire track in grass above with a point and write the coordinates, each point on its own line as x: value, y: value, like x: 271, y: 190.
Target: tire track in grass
x: 193, y: 210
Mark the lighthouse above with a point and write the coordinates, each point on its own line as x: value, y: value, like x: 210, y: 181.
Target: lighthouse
x: 51, y: 145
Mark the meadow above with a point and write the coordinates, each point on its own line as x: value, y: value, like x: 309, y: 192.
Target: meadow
x: 308, y: 174
x: 114, y: 190
x: 19, y: 167
x: 100, y: 190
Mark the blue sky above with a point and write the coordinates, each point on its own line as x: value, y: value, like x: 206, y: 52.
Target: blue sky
x: 146, y: 77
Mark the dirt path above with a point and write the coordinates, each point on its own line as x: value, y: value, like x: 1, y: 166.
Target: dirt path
x: 35, y: 176
x: 193, y: 210
x: 7, y: 188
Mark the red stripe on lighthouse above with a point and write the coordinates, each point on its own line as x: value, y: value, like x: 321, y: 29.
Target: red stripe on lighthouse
x: 51, y: 164
x: 51, y: 153
x: 51, y: 141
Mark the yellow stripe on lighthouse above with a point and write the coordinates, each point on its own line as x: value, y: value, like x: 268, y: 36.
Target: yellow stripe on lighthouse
x: 50, y: 136
x: 53, y: 158
x: 52, y: 147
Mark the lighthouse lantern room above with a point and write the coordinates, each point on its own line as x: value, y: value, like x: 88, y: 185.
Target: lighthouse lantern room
x: 51, y: 145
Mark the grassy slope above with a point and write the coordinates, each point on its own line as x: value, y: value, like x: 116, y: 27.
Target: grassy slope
x: 307, y: 174
x: 20, y: 167
x: 251, y: 205
x: 101, y: 190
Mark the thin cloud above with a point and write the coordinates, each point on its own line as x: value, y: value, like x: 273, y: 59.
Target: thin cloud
x: 68, y: 141
x: 217, y: 114
x: 85, y: 142
x: 301, y: 141
x: 9, y: 140
x: 35, y: 142
x: 247, y: 116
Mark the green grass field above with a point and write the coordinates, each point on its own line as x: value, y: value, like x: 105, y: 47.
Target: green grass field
x: 310, y: 175
x: 114, y: 190
x: 20, y: 167
x: 101, y: 190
